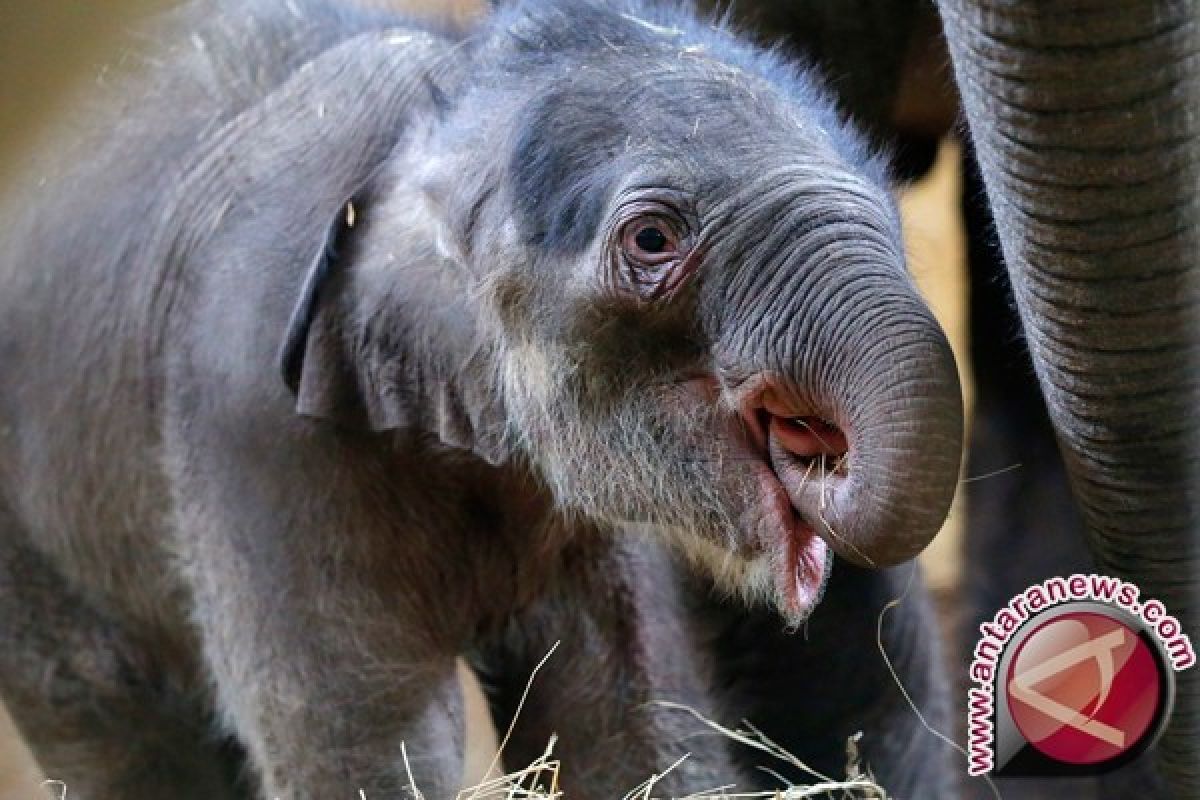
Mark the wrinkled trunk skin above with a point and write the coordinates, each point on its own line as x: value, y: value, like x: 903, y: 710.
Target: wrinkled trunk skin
x: 887, y: 374
x: 1084, y: 118
x: 843, y: 324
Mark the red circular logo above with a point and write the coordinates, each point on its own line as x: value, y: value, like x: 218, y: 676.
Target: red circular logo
x: 1083, y: 688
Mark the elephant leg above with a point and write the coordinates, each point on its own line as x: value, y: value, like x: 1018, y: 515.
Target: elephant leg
x: 811, y: 690
x: 322, y: 662
x: 1022, y: 522
x: 1084, y: 125
x: 1023, y: 525
x: 624, y: 645
x: 97, y: 712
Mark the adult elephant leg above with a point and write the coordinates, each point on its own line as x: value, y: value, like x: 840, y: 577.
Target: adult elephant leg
x: 1022, y: 524
x: 1085, y: 128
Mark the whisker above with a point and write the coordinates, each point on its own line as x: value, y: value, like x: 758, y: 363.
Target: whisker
x: 992, y: 474
x: 844, y: 540
x: 809, y: 428
x: 807, y: 472
x: 824, y: 482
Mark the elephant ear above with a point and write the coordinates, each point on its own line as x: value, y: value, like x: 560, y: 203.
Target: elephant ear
x: 312, y: 358
x: 362, y: 374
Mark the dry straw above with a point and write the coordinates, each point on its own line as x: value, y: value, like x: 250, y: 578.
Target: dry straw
x: 540, y: 780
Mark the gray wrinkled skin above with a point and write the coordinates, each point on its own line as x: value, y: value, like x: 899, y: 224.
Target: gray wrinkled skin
x: 217, y: 581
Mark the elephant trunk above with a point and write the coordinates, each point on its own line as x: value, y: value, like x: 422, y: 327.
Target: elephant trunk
x: 899, y: 405
x: 857, y: 404
x: 1085, y: 126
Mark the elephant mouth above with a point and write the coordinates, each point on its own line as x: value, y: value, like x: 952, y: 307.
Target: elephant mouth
x: 769, y: 448
x: 793, y: 445
x: 803, y: 566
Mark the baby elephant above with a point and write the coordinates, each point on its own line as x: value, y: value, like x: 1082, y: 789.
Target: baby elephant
x: 336, y: 348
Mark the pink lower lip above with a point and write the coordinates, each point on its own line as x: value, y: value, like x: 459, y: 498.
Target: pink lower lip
x: 806, y: 557
x: 805, y: 552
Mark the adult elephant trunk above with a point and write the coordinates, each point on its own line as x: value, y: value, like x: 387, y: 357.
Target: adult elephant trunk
x: 1086, y: 128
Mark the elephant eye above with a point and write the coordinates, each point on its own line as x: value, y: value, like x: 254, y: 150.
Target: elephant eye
x: 656, y: 258
x: 649, y: 241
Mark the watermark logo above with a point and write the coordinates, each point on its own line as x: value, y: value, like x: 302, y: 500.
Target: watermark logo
x: 1075, y: 676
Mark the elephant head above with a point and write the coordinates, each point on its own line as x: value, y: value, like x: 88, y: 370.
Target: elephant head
x: 673, y: 284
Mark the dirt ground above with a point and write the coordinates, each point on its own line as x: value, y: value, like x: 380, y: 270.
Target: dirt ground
x: 934, y: 239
